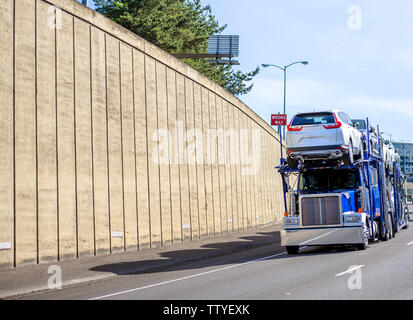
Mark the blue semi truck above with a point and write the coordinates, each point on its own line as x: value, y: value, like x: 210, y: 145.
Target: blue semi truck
x: 343, y: 205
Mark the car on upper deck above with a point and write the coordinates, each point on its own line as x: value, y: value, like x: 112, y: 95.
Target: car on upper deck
x: 323, y: 136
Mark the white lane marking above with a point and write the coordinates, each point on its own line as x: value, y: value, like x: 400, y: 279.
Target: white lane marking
x: 188, y: 277
x: 350, y: 270
x: 410, y: 243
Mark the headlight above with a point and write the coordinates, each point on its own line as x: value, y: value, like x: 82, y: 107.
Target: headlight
x: 291, y: 220
x: 352, y: 218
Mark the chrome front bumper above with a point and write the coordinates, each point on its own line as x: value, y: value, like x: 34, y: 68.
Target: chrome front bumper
x: 323, y: 236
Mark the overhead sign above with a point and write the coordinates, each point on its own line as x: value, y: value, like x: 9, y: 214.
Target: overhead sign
x: 278, y: 119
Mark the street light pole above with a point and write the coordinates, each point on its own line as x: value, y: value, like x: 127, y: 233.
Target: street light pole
x: 284, y: 69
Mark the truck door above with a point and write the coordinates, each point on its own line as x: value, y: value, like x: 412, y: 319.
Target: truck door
x: 375, y: 188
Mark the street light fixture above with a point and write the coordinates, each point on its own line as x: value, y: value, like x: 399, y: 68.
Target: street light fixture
x: 265, y: 65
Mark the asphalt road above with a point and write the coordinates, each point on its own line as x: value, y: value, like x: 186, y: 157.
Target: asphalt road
x: 383, y: 271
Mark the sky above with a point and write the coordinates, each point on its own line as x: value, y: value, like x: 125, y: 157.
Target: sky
x: 360, y: 57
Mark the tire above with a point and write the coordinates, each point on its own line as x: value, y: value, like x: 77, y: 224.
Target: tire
x: 406, y: 218
x: 360, y: 155
x: 292, y: 249
x: 361, y: 246
x: 389, y: 228
x: 349, y: 157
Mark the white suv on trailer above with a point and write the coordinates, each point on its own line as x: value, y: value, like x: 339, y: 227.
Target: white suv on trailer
x: 325, y: 135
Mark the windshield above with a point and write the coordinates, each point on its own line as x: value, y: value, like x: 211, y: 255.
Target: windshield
x: 328, y: 180
x: 313, y: 118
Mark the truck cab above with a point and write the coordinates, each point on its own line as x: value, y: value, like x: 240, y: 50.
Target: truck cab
x: 328, y: 207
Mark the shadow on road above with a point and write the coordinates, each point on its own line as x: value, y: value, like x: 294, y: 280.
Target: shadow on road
x: 207, y: 254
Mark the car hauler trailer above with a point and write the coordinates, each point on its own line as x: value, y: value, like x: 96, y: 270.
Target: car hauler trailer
x: 343, y: 205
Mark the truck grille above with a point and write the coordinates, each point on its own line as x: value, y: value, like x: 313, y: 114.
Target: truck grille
x: 316, y: 211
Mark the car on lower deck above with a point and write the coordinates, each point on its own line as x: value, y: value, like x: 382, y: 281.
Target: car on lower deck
x: 323, y: 136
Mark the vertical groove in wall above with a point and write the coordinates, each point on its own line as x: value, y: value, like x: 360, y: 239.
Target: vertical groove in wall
x: 179, y: 156
x: 134, y: 148
x: 187, y: 162
x: 224, y: 147
x: 91, y: 141
x: 267, y: 156
x: 169, y: 152
x: 254, y: 215
x: 57, y: 140
x: 147, y: 154
x: 267, y: 168
x: 210, y: 163
x: 231, y: 153
x: 274, y: 181
x: 222, y: 169
x: 217, y: 163
x: 107, y: 145
x: 263, y: 174
x: 14, y: 136
x: 274, y: 197
x: 203, y: 160
x: 252, y: 176
x: 196, y: 159
x: 157, y: 135
x: 239, y: 175
x: 244, y: 150
x: 261, y: 177
x: 257, y: 182
x: 75, y: 135
x: 121, y: 147
x: 35, y: 130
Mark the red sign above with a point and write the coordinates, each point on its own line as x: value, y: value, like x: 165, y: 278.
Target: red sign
x: 278, y: 119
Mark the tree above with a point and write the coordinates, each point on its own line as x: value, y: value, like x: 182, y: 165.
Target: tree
x: 177, y: 26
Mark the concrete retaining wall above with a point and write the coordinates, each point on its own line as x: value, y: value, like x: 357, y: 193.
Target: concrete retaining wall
x: 109, y: 144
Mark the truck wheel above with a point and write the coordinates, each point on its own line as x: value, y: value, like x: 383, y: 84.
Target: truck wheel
x: 292, y: 249
x: 361, y: 246
x: 365, y: 244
